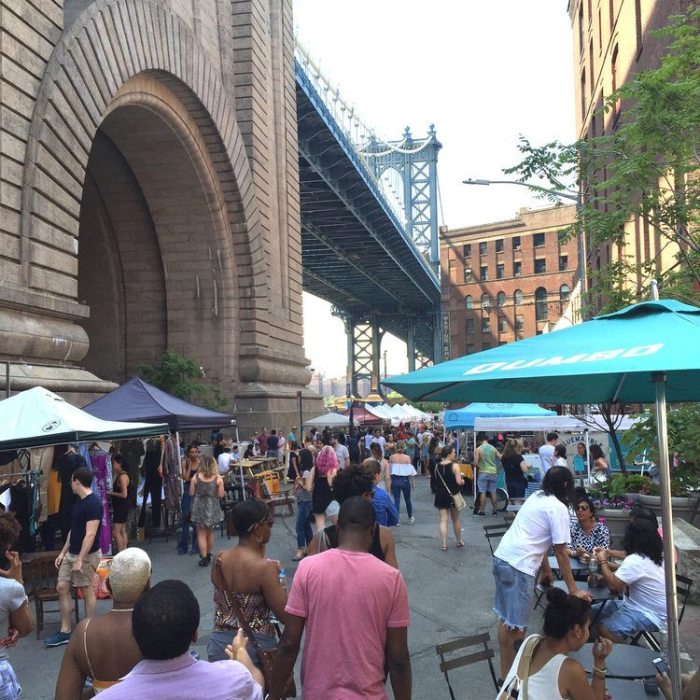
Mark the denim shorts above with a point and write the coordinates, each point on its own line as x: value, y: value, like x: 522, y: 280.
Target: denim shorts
x: 487, y: 482
x: 514, y: 594
x: 624, y: 620
x: 9, y: 687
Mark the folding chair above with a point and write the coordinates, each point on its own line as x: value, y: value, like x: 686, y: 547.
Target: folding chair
x: 485, y: 654
x: 495, y: 532
x: 683, y: 586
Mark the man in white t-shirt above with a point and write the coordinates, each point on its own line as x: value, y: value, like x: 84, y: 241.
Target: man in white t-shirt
x: 542, y: 522
x: 341, y: 452
x: 223, y: 461
x: 546, y: 453
x: 642, y: 573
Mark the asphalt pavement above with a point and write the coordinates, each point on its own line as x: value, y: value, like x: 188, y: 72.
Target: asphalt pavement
x: 450, y: 595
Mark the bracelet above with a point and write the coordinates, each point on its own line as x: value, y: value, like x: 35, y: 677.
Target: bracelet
x: 601, y: 671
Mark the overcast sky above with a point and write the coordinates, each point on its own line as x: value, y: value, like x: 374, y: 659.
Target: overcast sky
x: 483, y: 73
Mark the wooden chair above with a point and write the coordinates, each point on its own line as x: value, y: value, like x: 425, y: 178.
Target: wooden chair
x: 683, y: 586
x: 40, y: 581
x: 449, y: 664
x: 495, y: 532
x: 275, y: 495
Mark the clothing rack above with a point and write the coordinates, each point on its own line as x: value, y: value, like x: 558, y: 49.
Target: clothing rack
x: 33, y: 478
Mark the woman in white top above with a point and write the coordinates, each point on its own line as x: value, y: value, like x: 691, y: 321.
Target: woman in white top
x: 402, y: 473
x: 542, y: 662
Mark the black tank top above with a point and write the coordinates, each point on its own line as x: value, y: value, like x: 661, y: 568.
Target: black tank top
x: 375, y: 549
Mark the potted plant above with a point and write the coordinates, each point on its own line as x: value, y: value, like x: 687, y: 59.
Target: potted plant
x: 684, y: 449
x: 612, y: 505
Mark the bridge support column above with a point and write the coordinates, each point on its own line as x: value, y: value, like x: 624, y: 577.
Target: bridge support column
x: 364, y: 337
x: 411, y: 344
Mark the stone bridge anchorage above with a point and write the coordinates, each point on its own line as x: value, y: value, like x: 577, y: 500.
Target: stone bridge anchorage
x: 150, y: 197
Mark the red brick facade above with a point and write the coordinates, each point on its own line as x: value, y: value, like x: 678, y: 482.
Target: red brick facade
x: 529, y: 273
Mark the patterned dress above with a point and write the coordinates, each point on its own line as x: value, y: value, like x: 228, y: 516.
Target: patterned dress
x: 206, y: 507
x: 599, y: 536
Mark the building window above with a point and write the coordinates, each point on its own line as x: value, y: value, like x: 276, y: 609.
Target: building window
x: 638, y: 24
x: 517, y: 297
x: 502, y: 324
x: 484, y: 273
x: 564, y: 295
x: 485, y: 324
x: 563, y: 236
x: 500, y: 271
x: 499, y: 245
x: 538, y: 240
x: 583, y: 94
x: 468, y: 275
x: 540, y: 266
x: 483, y: 248
x: 541, y: 309
x: 517, y: 268
x: 467, y: 250
x: 485, y: 301
x: 516, y: 242
x: 563, y: 263
x: 469, y: 302
x: 486, y: 346
x: 471, y: 328
x: 501, y: 299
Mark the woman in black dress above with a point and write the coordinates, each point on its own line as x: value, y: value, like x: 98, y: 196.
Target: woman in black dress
x: 120, y: 502
x: 514, y: 467
x: 448, y: 480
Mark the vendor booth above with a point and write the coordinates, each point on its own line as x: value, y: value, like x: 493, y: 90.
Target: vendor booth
x: 465, y: 417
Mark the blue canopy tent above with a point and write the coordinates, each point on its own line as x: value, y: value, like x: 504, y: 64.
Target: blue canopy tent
x: 464, y: 417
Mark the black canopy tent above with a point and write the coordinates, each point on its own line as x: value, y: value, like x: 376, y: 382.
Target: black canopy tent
x: 139, y: 401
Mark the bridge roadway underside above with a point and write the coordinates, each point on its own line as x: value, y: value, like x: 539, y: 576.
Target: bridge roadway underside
x: 354, y: 253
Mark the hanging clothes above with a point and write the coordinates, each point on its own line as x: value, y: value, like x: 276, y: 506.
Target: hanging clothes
x: 171, y: 477
x: 101, y: 464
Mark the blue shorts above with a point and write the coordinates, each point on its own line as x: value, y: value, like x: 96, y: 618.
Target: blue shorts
x: 622, y: 619
x: 514, y: 594
x: 487, y: 482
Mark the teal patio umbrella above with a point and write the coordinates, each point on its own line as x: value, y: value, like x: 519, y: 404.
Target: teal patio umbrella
x: 645, y: 353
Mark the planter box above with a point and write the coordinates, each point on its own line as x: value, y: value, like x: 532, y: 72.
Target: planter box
x: 617, y: 521
x: 683, y: 507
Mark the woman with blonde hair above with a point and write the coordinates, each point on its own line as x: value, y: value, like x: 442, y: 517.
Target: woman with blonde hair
x: 207, y: 490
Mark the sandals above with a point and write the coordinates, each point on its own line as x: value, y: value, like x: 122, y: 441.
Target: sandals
x: 298, y: 557
x: 460, y: 544
x: 444, y: 549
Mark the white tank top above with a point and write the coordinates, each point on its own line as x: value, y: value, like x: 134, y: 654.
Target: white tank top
x: 543, y: 685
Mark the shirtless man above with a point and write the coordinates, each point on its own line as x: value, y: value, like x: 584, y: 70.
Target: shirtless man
x: 111, y: 649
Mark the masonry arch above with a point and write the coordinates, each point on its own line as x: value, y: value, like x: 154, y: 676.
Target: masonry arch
x: 136, y: 169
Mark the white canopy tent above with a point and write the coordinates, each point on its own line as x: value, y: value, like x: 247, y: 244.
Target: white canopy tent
x: 329, y: 420
x: 551, y: 424
x: 39, y: 418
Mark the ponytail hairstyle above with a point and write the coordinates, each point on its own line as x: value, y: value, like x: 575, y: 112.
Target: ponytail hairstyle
x: 563, y: 612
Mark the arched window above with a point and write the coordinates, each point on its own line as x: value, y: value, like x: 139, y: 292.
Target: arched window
x: 517, y: 297
x: 541, y: 311
x: 564, y: 293
x: 485, y: 301
x: 501, y: 299
x: 469, y: 302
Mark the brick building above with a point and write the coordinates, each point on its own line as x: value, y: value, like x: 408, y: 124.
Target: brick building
x: 507, y: 280
x: 612, y: 40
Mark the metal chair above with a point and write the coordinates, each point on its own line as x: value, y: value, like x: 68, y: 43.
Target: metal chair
x: 683, y: 586
x: 40, y: 581
x: 495, y: 532
x: 449, y: 664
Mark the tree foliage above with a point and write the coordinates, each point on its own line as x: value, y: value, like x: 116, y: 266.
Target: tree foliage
x: 646, y: 169
x: 181, y: 376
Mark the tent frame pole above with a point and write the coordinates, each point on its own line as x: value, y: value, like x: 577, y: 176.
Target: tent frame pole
x: 674, y: 660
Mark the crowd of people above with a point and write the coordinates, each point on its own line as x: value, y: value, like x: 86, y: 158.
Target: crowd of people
x: 349, y: 490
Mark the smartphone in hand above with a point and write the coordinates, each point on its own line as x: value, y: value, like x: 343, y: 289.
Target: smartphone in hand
x: 661, y: 665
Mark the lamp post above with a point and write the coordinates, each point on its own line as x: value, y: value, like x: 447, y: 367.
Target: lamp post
x: 580, y: 239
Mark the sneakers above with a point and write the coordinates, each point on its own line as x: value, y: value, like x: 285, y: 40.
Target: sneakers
x: 58, y: 639
x: 481, y: 514
x: 411, y: 520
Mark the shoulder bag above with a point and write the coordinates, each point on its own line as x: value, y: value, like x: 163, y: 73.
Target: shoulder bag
x: 517, y: 689
x: 267, y: 656
x: 457, y: 499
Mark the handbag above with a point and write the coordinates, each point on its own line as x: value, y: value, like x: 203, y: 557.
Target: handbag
x: 266, y: 656
x: 458, y: 501
x: 517, y: 689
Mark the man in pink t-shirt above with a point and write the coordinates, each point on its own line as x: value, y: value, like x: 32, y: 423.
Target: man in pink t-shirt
x: 353, y: 610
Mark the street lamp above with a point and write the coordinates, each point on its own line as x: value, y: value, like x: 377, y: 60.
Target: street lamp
x: 580, y: 239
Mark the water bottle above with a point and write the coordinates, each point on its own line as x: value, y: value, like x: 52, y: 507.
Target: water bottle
x: 593, y: 570
x: 663, y: 641
x: 284, y: 581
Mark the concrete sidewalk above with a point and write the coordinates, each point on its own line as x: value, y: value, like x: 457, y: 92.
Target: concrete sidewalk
x: 450, y: 595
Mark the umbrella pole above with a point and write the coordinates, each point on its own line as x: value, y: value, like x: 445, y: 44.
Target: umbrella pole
x: 240, y: 466
x: 674, y: 660
x: 587, y: 434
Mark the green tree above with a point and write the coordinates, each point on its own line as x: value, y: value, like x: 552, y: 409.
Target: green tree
x: 181, y: 376
x: 646, y: 169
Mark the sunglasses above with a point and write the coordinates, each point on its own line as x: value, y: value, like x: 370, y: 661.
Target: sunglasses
x: 266, y: 520
x: 582, y: 508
